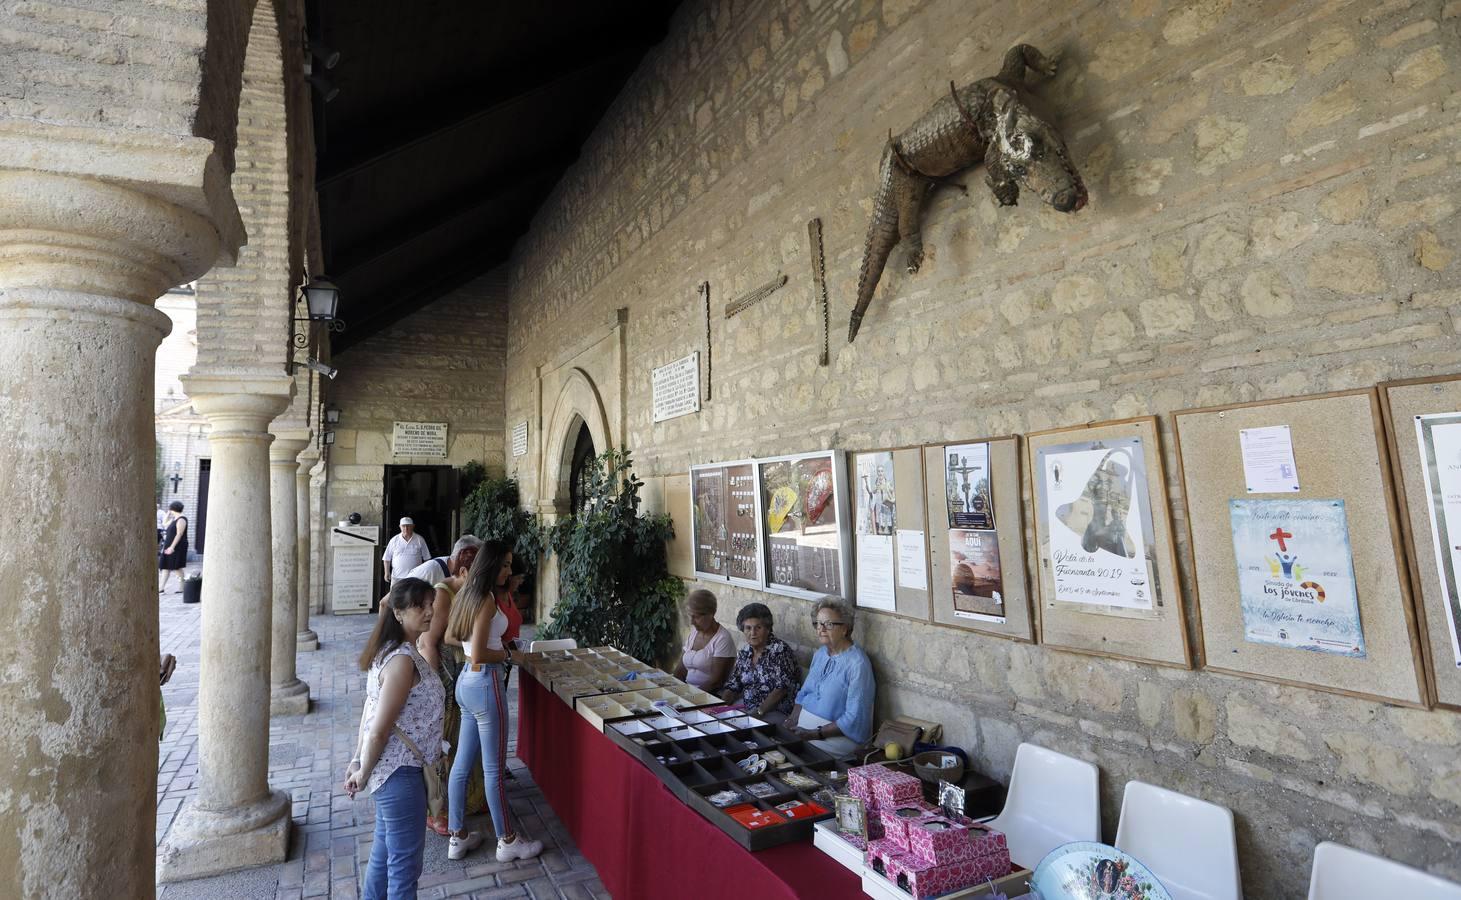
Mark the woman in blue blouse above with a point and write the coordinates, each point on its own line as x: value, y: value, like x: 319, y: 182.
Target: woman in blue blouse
x: 834, y: 708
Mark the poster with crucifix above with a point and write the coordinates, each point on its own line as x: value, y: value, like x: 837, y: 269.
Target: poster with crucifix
x: 1296, y: 575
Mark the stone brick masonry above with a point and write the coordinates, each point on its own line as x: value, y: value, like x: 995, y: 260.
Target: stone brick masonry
x: 1272, y: 213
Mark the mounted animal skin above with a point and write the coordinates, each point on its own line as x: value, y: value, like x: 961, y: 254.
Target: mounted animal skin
x: 988, y: 121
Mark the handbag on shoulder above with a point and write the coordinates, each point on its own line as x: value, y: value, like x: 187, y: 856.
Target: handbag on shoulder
x: 433, y: 775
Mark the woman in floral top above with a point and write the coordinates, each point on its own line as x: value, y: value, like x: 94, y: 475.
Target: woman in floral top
x: 765, y: 676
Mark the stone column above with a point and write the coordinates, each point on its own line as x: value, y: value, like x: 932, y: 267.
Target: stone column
x: 235, y: 820
x: 288, y: 696
x: 81, y: 261
x: 305, y: 638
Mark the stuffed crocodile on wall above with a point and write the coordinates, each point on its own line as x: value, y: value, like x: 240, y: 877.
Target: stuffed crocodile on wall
x: 987, y: 121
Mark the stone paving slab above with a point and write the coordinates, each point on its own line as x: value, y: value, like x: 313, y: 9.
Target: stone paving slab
x: 332, y: 833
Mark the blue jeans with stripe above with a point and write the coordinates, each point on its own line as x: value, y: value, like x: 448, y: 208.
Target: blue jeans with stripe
x: 399, y: 846
x: 484, y: 733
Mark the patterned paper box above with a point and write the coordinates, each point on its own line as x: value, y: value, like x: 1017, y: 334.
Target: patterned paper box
x: 955, y: 842
x: 896, y: 787
x: 895, y: 826
x: 886, y: 858
x: 924, y: 880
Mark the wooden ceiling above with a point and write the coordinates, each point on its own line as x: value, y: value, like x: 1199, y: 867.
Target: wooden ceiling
x: 453, y: 121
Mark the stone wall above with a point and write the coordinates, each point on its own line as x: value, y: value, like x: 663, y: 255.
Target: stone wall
x: 444, y: 363
x: 1272, y: 213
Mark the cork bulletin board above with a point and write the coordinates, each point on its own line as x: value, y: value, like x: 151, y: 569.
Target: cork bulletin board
x: 1423, y: 417
x: 679, y: 551
x: 888, y: 512
x: 952, y: 483
x: 1105, y: 564
x: 1301, y: 583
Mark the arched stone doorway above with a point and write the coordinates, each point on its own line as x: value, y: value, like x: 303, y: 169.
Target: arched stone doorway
x: 583, y: 456
x: 578, y: 431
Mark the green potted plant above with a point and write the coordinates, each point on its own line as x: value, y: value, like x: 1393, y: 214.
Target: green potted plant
x: 492, y: 512
x: 614, y: 584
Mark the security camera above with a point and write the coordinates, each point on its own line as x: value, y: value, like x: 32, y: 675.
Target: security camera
x: 315, y: 365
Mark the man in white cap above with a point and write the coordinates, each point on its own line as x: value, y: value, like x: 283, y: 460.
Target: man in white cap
x: 405, y: 551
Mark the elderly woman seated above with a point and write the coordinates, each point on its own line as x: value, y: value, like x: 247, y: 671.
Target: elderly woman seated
x: 765, y: 676
x: 834, y: 708
x: 709, y: 649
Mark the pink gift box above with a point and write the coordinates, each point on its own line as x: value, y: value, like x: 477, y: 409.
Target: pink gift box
x: 896, y: 787
x: 924, y: 880
x: 954, y: 842
x: 885, y: 857
x: 896, y: 827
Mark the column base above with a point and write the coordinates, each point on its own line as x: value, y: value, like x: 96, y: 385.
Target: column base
x: 204, y: 843
x: 290, y: 699
x: 306, y: 640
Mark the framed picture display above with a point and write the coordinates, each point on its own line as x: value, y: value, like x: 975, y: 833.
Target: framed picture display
x: 889, y: 545
x: 976, y: 535
x: 1423, y: 421
x: 807, y: 524
x: 1300, y: 573
x: 1106, y: 567
x: 724, y: 511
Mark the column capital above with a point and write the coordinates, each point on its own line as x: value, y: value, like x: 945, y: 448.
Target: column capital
x: 287, y: 444
x: 307, y: 459
x: 238, y: 403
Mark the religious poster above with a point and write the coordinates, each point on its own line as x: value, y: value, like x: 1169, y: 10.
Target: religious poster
x: 1296, y: 575
x: 966, y: 486
x: 803, y: 533
x: 975, y: 572
x: 723, y: 500
x: 1092, y: 498
x: 1440, y: 453
x: 876, y: 507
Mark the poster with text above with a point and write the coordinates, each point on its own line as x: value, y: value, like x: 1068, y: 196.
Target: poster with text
x: 1440, y: 455
x: 876, y: 506
x: 975, y: 572
x: 803, y: 535
x: 966, y: 486
x: 1096, y: 510
x: 1296, y: 575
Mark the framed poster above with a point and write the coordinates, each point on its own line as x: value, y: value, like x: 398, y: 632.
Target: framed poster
x: 1107, y: 570
x: 890, y: 549
x: 1423, y: 422
x: 976, y: 534
x: 1303, y: 587
x: 807, y: 524
x: 725, y: 510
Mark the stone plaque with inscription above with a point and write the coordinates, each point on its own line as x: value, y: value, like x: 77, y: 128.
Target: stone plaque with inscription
x: 677, y: 388
x: 419, y: 439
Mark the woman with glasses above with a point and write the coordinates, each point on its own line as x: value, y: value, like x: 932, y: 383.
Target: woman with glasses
x: 834, y: 708
x: 765, y: 675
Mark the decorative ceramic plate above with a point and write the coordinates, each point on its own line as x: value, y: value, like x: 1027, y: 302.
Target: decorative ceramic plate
x: 1086, y: 870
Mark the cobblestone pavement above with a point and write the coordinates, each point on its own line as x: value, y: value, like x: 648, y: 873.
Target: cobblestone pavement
x: 332, y: 834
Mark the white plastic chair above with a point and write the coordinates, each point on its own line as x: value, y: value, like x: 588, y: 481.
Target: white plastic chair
x: 1343, y: 873
x: 1053, y: 799
x: 559, y: 644
x: 1189, y: 844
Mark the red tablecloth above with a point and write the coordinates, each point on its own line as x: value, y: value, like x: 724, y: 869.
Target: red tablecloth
x: 644, y: 843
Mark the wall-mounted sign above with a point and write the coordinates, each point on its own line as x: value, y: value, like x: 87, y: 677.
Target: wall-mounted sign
x: 677, y: 388
x: 520, y: 438
x: 419, y: 439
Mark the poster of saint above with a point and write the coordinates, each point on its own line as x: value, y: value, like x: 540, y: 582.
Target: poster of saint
x: 1296, y: 575
x: 1092, y: 498
x: 803, y: 534
x: 975, y: 572
x: 877, y: 508
x: 966, y: 486
x: 1440, y: 454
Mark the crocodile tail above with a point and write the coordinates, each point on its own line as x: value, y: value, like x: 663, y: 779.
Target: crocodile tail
x: 882, y: 237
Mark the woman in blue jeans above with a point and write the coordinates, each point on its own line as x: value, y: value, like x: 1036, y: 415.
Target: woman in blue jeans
x: 400, y: 730
x: 479, y: 624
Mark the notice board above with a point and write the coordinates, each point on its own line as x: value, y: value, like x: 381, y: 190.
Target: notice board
x: 1333, y: 551
x: 889, y: 542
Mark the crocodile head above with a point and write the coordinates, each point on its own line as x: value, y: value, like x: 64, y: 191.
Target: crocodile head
x: 1034, y: 153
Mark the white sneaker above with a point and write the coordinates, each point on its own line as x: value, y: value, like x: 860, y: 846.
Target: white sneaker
x: 518, y: 849
x: 461, y: 846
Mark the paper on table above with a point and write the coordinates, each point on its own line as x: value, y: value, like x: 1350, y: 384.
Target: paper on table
x: 1268, y: 460
x: 912, y: 560
x: 875, y: 572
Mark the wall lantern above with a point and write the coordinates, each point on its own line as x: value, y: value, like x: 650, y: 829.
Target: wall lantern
x: 321, y: 297
x: 332, y: 415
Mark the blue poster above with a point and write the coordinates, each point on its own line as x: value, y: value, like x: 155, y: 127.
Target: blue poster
x: 1296, y: 575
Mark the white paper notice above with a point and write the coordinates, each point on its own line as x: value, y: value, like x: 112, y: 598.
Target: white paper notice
x: 1441, y: 456
x: 1268, y: 460
x: 912, y: 560
x: 875, y: 585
